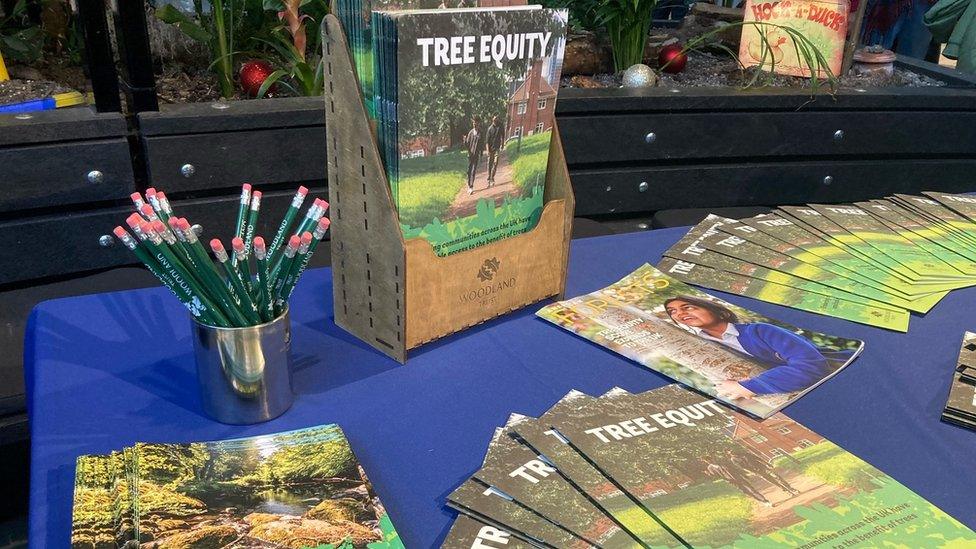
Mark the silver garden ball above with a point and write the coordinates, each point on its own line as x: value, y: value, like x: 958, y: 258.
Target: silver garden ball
x: 639, y: 76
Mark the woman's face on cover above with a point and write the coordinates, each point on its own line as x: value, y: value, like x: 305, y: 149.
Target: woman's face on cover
x: 690, y: 315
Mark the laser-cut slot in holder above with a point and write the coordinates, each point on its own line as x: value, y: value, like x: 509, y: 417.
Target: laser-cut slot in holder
x: 397, y: 294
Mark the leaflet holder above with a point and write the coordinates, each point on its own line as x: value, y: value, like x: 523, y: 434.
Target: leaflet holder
x: 397, y: 294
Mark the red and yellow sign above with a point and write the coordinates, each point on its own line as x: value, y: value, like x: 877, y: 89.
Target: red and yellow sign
x: 822, y: 22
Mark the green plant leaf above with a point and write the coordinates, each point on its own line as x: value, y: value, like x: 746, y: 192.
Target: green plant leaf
x: 169, y: 14
x: 270, y: 81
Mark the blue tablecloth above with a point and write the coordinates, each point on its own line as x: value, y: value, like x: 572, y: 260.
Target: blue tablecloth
x: 108, y: 370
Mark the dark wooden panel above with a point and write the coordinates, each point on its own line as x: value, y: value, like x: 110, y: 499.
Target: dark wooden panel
x: 57, y: 245
x: 234, y: 116
x: 607, y: 139
x: 60, y: 125
x: 51, y: 175
x: 227, y: 159
x: 615, y: 192
x: 665, y: 100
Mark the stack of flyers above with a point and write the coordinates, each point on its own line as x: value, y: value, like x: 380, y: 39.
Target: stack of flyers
x: 294, y: 489
x: 872, y: 262
x: 464, y: 102
x: 744, y: 359
x: 670, y: 468
x: 960, y: 408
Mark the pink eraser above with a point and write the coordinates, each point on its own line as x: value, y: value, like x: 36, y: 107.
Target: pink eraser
x: 146, y: 227
x: 246, y: 187
x: 161, y: 195
x: 184, y: 224
x: 134, y: 220
x: 150, y: 191
x: 174, y: 223
x: 303, y: 190
x: 158, y: 226
x: 135, y: 197
x: 259, y: 242
x: 324, y: 223
x: 148, y: 210
x: 325, y: 205
x: 294, y: 241
x: 238, y: 244
x: 306, y: 238
x: 215, y: 245
x: 119, y: 232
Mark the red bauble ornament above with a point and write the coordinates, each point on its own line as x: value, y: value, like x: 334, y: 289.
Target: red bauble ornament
x: 673, y: 57
x: 253, y: 74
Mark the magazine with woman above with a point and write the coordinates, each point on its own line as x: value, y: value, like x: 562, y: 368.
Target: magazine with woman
x: 754, y: 363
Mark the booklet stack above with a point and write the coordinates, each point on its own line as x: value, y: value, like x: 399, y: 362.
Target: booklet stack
x: 960, y: 408
x: 464, y: 101
x: 871, y: 262
x: 752, y: 362
x: 671, y: 468
x: 294, y: 489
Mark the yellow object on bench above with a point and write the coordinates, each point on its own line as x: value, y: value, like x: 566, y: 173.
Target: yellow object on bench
x: 4, y: 76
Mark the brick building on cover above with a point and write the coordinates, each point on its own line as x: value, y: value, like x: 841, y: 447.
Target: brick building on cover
x: 532, y: 106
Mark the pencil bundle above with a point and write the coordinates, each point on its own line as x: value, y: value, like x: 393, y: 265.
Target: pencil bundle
x: 226, y: 290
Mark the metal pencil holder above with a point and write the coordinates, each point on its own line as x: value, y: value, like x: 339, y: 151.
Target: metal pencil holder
x: 244, y: 373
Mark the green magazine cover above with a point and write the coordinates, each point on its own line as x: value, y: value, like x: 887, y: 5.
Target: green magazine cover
x: 689, y: 248
x: 301, y: 488
x: 948, y: 217
x: 749, y: 361
x: 469, y: 533
x: 720, y: 479
x: 700, y: 275
x: 467, y: 115
x: 920, y: 226
x: 529, y: 479
x: 490, y: 506
x: 536, y: 434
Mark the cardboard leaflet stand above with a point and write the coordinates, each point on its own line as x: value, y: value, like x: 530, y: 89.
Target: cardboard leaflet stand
x: 397, y: 294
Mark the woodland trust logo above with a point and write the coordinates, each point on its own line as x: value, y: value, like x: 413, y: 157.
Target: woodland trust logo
x: 488, y: 269
x: 486, y: 293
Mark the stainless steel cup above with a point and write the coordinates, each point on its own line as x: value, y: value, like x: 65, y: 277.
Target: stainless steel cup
x: 244, y: 373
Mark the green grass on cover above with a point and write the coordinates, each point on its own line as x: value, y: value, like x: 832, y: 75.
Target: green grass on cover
x: 428, y: 185
x: 830, y: 464
x: 711, y: 513
x: 529, y: 162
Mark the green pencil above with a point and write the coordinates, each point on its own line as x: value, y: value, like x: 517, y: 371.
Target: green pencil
x: 252, y: 222
x: 312, y: 216
x: 292, y: 277
x: 290, y: 215
x: 317, y: 237
x: 208, y: 272
x: 243, y: 265
x: 261, y: 258
x: 278, y: 281
x: 241, y: 227
x: 247, y: 305
x: 197, y: 303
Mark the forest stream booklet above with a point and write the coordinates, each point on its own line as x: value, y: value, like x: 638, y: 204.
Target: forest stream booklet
x: 294, y: 489
x: 742, y: 358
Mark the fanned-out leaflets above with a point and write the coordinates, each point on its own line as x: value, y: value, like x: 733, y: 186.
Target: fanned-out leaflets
x: 670, y: 468
x: 464, y: 99
x: 294, y: 489
x: 872, y: 262
x: 744, y: 359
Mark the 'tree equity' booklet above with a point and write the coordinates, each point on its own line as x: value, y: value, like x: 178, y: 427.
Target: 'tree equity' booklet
x: 744, y: 359
x: 465, y: 103
x: 294, y: 489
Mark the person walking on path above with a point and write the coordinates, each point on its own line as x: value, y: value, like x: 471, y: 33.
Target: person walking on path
x: 474, y: 140
x: 493, y: 136
x: 752, y: 464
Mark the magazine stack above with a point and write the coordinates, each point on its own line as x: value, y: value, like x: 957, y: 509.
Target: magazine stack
x: 671, y: 468
x: 464, y: 101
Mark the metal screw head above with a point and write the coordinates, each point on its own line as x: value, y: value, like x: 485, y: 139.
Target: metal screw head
x: 828, y: 180
x: 643, y: 187
x: 188, y: 170
x: 106, y: 241
x: 24, y: 116
x: 609, y: 188
x: 838, y: 135
x: 650, y: 138
x: 643, y: 226
x: 95, y: 177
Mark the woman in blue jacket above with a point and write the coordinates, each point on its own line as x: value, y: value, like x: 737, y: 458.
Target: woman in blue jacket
x: 794, y: 362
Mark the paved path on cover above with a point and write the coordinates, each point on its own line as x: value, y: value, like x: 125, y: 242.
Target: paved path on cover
x: 781, y: 513
x: 466, y: 204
